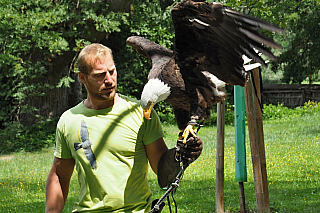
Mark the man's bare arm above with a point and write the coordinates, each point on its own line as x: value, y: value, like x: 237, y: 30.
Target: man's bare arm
x: 57, y: 185
x: 154, y: 152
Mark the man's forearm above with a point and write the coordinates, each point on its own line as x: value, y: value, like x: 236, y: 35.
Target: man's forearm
x: 55, y: 195
x: 57, y: 185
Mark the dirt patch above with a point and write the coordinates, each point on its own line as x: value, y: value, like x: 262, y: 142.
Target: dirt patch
x: 6, y: 157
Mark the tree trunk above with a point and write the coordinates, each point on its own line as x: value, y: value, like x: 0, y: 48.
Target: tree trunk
x: 119, y: 5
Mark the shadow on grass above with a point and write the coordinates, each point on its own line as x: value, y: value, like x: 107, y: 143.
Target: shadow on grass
x: 33, y: 207
x: 299, y: 197
x: 199, y: 196
x: 312, y: 130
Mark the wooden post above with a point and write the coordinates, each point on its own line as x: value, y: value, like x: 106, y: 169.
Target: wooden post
x: 254, y: 116
x: 242, y: 198
x: 261, y: 145
x: 220, y: 157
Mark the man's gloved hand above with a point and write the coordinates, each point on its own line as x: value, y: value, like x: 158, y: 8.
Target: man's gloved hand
x: 169, y: 163
x: 162, y: 204
x: 190, y: 150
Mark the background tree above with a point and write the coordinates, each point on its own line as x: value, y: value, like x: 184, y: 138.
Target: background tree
x: 300, y: 58
x: 38, y: 45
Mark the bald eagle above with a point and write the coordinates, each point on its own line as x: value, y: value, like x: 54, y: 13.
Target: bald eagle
x: 210, y: 40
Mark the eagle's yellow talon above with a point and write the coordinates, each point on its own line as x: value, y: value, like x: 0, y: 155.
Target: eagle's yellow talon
x: 188, y: 130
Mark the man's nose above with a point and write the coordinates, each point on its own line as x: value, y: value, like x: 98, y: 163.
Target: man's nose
x: 108, y: 78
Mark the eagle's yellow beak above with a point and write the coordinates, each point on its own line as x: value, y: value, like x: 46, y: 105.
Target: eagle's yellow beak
x: 147, y: 111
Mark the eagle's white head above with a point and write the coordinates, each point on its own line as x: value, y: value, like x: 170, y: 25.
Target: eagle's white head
x: 153, y: 92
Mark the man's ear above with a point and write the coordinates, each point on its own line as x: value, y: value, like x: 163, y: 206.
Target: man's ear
x: 82, y: 77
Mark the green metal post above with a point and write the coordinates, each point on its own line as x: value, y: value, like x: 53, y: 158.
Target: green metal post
x: 240, y: 147
x: 240, y: 132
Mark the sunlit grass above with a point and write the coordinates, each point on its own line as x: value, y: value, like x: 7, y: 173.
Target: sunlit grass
x: 292, y: 153
x: 22, y: 182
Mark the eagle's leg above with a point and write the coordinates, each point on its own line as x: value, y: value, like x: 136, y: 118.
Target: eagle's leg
x: 189, y: 130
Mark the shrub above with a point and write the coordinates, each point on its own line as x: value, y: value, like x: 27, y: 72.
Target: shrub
x: 18, y: 137
x: 166, y: 115
x: 281, y: 112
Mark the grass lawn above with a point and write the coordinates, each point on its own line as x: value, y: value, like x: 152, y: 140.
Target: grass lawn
x: 292, y: 153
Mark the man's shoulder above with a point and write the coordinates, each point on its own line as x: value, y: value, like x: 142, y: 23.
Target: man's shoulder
x: 130, y: 100
x: 71, y: 113
x: 77, y: 109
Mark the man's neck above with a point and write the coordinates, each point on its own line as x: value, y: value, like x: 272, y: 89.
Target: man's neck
x: 100, y: 104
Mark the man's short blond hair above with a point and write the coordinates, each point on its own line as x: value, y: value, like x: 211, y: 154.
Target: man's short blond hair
x: 90, y: 55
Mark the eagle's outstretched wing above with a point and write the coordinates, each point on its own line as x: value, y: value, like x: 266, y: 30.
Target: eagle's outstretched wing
x: 213, y: 37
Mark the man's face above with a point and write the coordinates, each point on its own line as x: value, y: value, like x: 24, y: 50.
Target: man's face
x: 101, y: 82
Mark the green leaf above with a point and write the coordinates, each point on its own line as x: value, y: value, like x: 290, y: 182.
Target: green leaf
x: 65, y: 81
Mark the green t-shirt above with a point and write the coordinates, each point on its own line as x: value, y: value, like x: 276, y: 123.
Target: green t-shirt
x: 117, y: 179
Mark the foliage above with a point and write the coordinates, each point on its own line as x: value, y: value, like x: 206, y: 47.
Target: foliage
x: 150, y: 19
x: 274, y: 11
x: 18, y: 137
x: 282, y: 112
x: 33, y: 35
x: 167, y: 117
x: 299, y: 59
x: 270, y: 77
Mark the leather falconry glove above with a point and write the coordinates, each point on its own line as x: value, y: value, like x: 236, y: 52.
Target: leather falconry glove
x: 160, y: 206
x: 190, y: 150
x: 169, y: 163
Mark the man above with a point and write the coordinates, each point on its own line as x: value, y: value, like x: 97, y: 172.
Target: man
x: 108, y: 141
